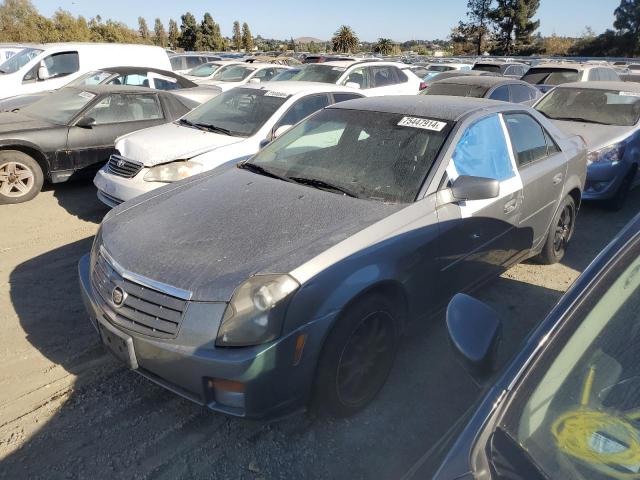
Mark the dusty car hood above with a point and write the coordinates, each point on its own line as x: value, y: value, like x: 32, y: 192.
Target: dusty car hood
x: 597, y: 136
x: 17, y: 122
x: 168, y: 142
x: 209, y: 234
x: 21, y: 101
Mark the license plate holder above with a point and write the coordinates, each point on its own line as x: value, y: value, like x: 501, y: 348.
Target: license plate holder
x: 118, y: 343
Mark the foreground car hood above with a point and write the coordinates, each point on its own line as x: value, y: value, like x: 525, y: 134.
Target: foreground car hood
x: 169, y: 142
x: 17, y: 122
x: 211, y: 233
x: 597, y: 136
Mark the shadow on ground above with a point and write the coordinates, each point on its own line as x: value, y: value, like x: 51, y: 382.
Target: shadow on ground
x: 78, y: 197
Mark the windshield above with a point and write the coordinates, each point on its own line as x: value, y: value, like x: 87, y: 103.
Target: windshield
x: 241, y: 111
x: 233, y: 73
x: 92, y: 78
x: 285, y: 75
x: 378, y: 156
x: 577, y: 415
x: 60, y: 106
x: 485, y: 67
x: 19, y: 60
x: 611, y: 107
x: 551, y: 76
x: 455, y: 90
x: 318, y: 73
x: 204, y: 70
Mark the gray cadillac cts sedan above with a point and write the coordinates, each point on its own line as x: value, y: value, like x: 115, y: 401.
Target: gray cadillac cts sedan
x: 290, y: 277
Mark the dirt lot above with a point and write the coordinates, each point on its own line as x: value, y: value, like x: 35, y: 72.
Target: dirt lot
x: 67, y: 410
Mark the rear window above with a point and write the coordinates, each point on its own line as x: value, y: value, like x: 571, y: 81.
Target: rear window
x: 551, y: 76
x: 319, y: 73
x: 455, y: 90
x: 485, y: 67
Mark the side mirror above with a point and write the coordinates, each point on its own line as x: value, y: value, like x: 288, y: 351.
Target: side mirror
x: 474, y: 330
x: 43, y: 73
x: 281, y: 129
x: 264, y: 143
x: 86, y: 122
x: 475, y: 188
x: 254, y: 80
x: 352, y: 85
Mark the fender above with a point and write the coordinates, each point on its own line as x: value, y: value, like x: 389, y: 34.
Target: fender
x: 43, y: 159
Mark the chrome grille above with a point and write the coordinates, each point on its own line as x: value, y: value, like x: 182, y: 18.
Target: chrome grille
x: 123, y: 167
x: 144, y: 310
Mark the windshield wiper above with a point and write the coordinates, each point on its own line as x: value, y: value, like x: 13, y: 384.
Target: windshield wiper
x: 213, y: 128
x: 184, y: 121
x: 252, y: 167
x: 577, y: 119
x: 321, y: 184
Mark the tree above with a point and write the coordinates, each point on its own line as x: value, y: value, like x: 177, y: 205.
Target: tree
x: 557, y: 46
x: 68, y: 28
x: 143, y: 30
x: 188, y: 32
x: 344, y: 40
x: 160, y: 35
x: 525, y: 25
x: 237, y: 35
x: 210, y: 38
x: 514, y: 24
x: 21, y: 22
x: 247, y: 39
x: 174, y: 34
x: 385, y: 46
x: 478, y: 15
x: 627, y: 23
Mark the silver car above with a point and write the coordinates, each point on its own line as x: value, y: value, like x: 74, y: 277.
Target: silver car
x: 254, y: 289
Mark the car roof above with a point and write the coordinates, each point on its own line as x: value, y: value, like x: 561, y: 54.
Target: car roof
x: 128, y: 70
x: 438, y: 106
x: 481, y: 80
x: 621, y: 86
x: 101, y: 89
x: 498, y: 63
x: 294, y: 88
x: 349, y: 63
x: 569, y: 65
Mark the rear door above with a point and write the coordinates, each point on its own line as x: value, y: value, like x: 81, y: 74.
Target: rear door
x: 115, y: 114
x: 479, y: 237
x: 543, y: 168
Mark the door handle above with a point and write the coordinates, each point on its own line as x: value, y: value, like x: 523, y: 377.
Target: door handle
x: 510, y: 206
x: 557, y: 179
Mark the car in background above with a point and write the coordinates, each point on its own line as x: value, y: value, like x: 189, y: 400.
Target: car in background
x: 181, y: 63
x: 285, y: 75
x: 71, y: 132
x: 231, y: 76
x: 566, y: 406
x: 327, y: 58
x: 290, y: 277
x: 229, y: 128
x: 457, y: 73
x: 374, y: 77
x: 506, y: 69
x: 433, y: 69
x: 132, y: 76
x: 204, y: 72
x: 545, y: 76
x: 47, y: 67
x: 493, y: 88
x: 607, y: 116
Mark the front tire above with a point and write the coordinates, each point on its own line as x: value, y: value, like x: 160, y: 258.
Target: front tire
x: 560, y: 233
x: 21, y: 177
x: 357, y: 357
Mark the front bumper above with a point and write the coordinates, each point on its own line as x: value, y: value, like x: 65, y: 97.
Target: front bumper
x: 604, y: 179
x: 274, y: 384
x: 113, y: 189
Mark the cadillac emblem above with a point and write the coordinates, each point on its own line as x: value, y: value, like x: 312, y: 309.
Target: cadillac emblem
x: 117, y: 296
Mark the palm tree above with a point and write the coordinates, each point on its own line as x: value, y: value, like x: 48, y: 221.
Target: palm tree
x: 385, y: 46
x: 344, y: 40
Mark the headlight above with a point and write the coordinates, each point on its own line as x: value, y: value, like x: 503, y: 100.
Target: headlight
x: 256, y: 311
x: 610, y: 154
x: 172, y: 172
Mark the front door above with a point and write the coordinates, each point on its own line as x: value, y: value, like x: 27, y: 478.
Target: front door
x: 478, y: 238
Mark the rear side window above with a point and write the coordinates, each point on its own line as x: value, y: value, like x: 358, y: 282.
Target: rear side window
x: 400, y: 75
x: 482, y: 151
x: 527, y: 137
x: 177, y: 63
x: 303, y: 108
x: 501, y: 93
x: 121, y: 108
x: 343, y: 97
x: 382, y: 76
x: 521, y: 93
x: 162, y: 84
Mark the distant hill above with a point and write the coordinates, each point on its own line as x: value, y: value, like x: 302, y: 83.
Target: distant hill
x: 308, y: 40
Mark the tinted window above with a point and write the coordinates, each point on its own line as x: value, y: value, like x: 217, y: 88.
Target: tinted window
x: 165, y: 84
x: 343, y: 97
x: 501, y: 93
x: 303, y: 108
x: 482, y: 151
x: 551, y: 76
x: 120, y: 108
x: 400, y: 75
x: 455, y: 90
x: 527, y: 137
x: 521, y: 93
x: 319, y: 73
x: 382, y: 76
x: 486, y: 68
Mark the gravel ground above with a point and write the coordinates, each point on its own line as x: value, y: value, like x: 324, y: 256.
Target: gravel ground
x: 67, y: 410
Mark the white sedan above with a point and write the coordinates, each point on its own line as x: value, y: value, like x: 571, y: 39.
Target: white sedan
x: 227, y: 129
x: 231, y: 76
x: 202, y: 74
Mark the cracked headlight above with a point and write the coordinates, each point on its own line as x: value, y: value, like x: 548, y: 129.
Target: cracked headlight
x: 174, y: 171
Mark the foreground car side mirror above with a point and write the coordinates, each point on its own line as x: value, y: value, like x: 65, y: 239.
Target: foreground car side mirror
x: 86, y: 122
x: 475, y: 330
x: 475, y: 188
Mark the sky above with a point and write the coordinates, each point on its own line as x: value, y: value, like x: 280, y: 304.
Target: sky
x: 402, y: 21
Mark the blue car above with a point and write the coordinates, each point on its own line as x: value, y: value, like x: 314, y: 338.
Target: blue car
x: 607, y: 116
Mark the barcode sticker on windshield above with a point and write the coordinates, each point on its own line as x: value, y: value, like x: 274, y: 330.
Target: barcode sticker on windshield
x: 424, y: 123
x: 87, y: 95
x: 629, y: 94
x: 271, y: 93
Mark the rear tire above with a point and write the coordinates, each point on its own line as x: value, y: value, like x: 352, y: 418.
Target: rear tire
x: 617, y: 203
x: 560, y: 233
x: 357, y: 357
x: 21, y: 177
